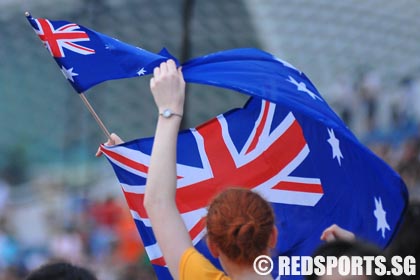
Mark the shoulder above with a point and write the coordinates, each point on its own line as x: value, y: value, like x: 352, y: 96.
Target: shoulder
x: 194, y: 265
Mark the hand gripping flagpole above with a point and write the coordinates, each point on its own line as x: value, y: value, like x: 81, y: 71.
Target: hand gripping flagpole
x: 95, y: 116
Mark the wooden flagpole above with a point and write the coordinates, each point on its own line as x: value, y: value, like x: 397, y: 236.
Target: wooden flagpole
x: 95, y: 116
x: 87, y: 104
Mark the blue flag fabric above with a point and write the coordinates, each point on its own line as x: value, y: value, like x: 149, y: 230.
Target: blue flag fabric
x: 286, y: 144
x: 258, y: 73
x: 313, y: 175
x: 87, y: 57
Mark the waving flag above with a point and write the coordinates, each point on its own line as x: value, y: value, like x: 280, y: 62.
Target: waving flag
x: 87, y: 57
x: 286, y: 143
x: 312, y: 174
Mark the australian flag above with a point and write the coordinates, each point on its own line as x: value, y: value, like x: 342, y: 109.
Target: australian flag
x: 286, y: 143
x: 87, y: 57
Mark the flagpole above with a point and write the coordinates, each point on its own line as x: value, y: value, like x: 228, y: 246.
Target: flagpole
x: 95, y: 116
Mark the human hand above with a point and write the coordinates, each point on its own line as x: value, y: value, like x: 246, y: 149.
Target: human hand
x: 114, y: 140
x: 335, y: 232
x: 168, y: 87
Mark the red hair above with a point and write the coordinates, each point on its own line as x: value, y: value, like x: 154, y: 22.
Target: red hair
x: 239, y: 223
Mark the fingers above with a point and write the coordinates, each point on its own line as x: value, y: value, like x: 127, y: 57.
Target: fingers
x: 328, y: 236
x: 152, y: 83
x: 156, y: 72
x: 114, y: 140
x: 335, y: 232
x: 98, y: 152
x: 328, y: 233
x: 180, y: 74
x: 168, y: 87
x: 171, y: 66
x: 164, y: 68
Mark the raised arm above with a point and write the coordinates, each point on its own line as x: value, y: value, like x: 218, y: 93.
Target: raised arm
x: 168, y: 89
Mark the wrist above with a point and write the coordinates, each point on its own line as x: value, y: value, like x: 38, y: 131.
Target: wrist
x: 169, y: 113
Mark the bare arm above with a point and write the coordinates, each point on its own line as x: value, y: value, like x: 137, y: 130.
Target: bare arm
x: 168, y: 89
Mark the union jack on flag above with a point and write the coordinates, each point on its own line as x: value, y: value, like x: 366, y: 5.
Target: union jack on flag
x: 286, y: 143
x: 262, y: 147
x: 265, y: 157
x: 87, y: 57
x: 62, y: 37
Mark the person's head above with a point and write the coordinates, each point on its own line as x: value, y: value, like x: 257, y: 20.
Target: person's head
x: 61, y: 271
x: 349, y: 248
x: 240, y: 225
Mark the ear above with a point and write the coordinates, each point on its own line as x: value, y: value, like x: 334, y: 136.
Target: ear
x: 214, y: 250
x: 272, y: 241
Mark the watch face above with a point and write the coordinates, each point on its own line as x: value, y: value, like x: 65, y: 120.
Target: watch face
x: 167, y: 113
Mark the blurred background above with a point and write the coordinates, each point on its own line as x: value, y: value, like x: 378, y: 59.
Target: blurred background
x: 57, y: 200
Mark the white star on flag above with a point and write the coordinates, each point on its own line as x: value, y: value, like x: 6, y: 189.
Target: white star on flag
x: 141, y: 72
x: 301, y: 86
x: 335, y: 145
x: 380, y: 215
x: 287, y: 64
x: 68, y: 73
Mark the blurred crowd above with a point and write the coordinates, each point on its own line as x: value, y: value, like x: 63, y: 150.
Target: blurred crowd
x: 38, y: 224
x: 385, y: 116
x: 97, y: 233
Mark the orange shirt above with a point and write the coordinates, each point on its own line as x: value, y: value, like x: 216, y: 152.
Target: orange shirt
x: 194, y: 266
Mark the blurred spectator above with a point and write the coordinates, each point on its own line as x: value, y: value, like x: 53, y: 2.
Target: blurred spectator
x: 129, y: 247
x: 105, y: 215
x: 61, y: 271
x: 348, y: 248
x: 407, y: 241
x: 343, y: 99
x: 137, y: 272
x: 369, y: 88
x: 9, y: 247
x: 409, y: 165
x: 67, y: 244
x: 4, y: 196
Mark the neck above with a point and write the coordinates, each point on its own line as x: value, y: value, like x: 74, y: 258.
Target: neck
x: 241, y: 272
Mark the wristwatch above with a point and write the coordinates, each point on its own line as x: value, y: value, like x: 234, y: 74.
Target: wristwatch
x: 167, y: 113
